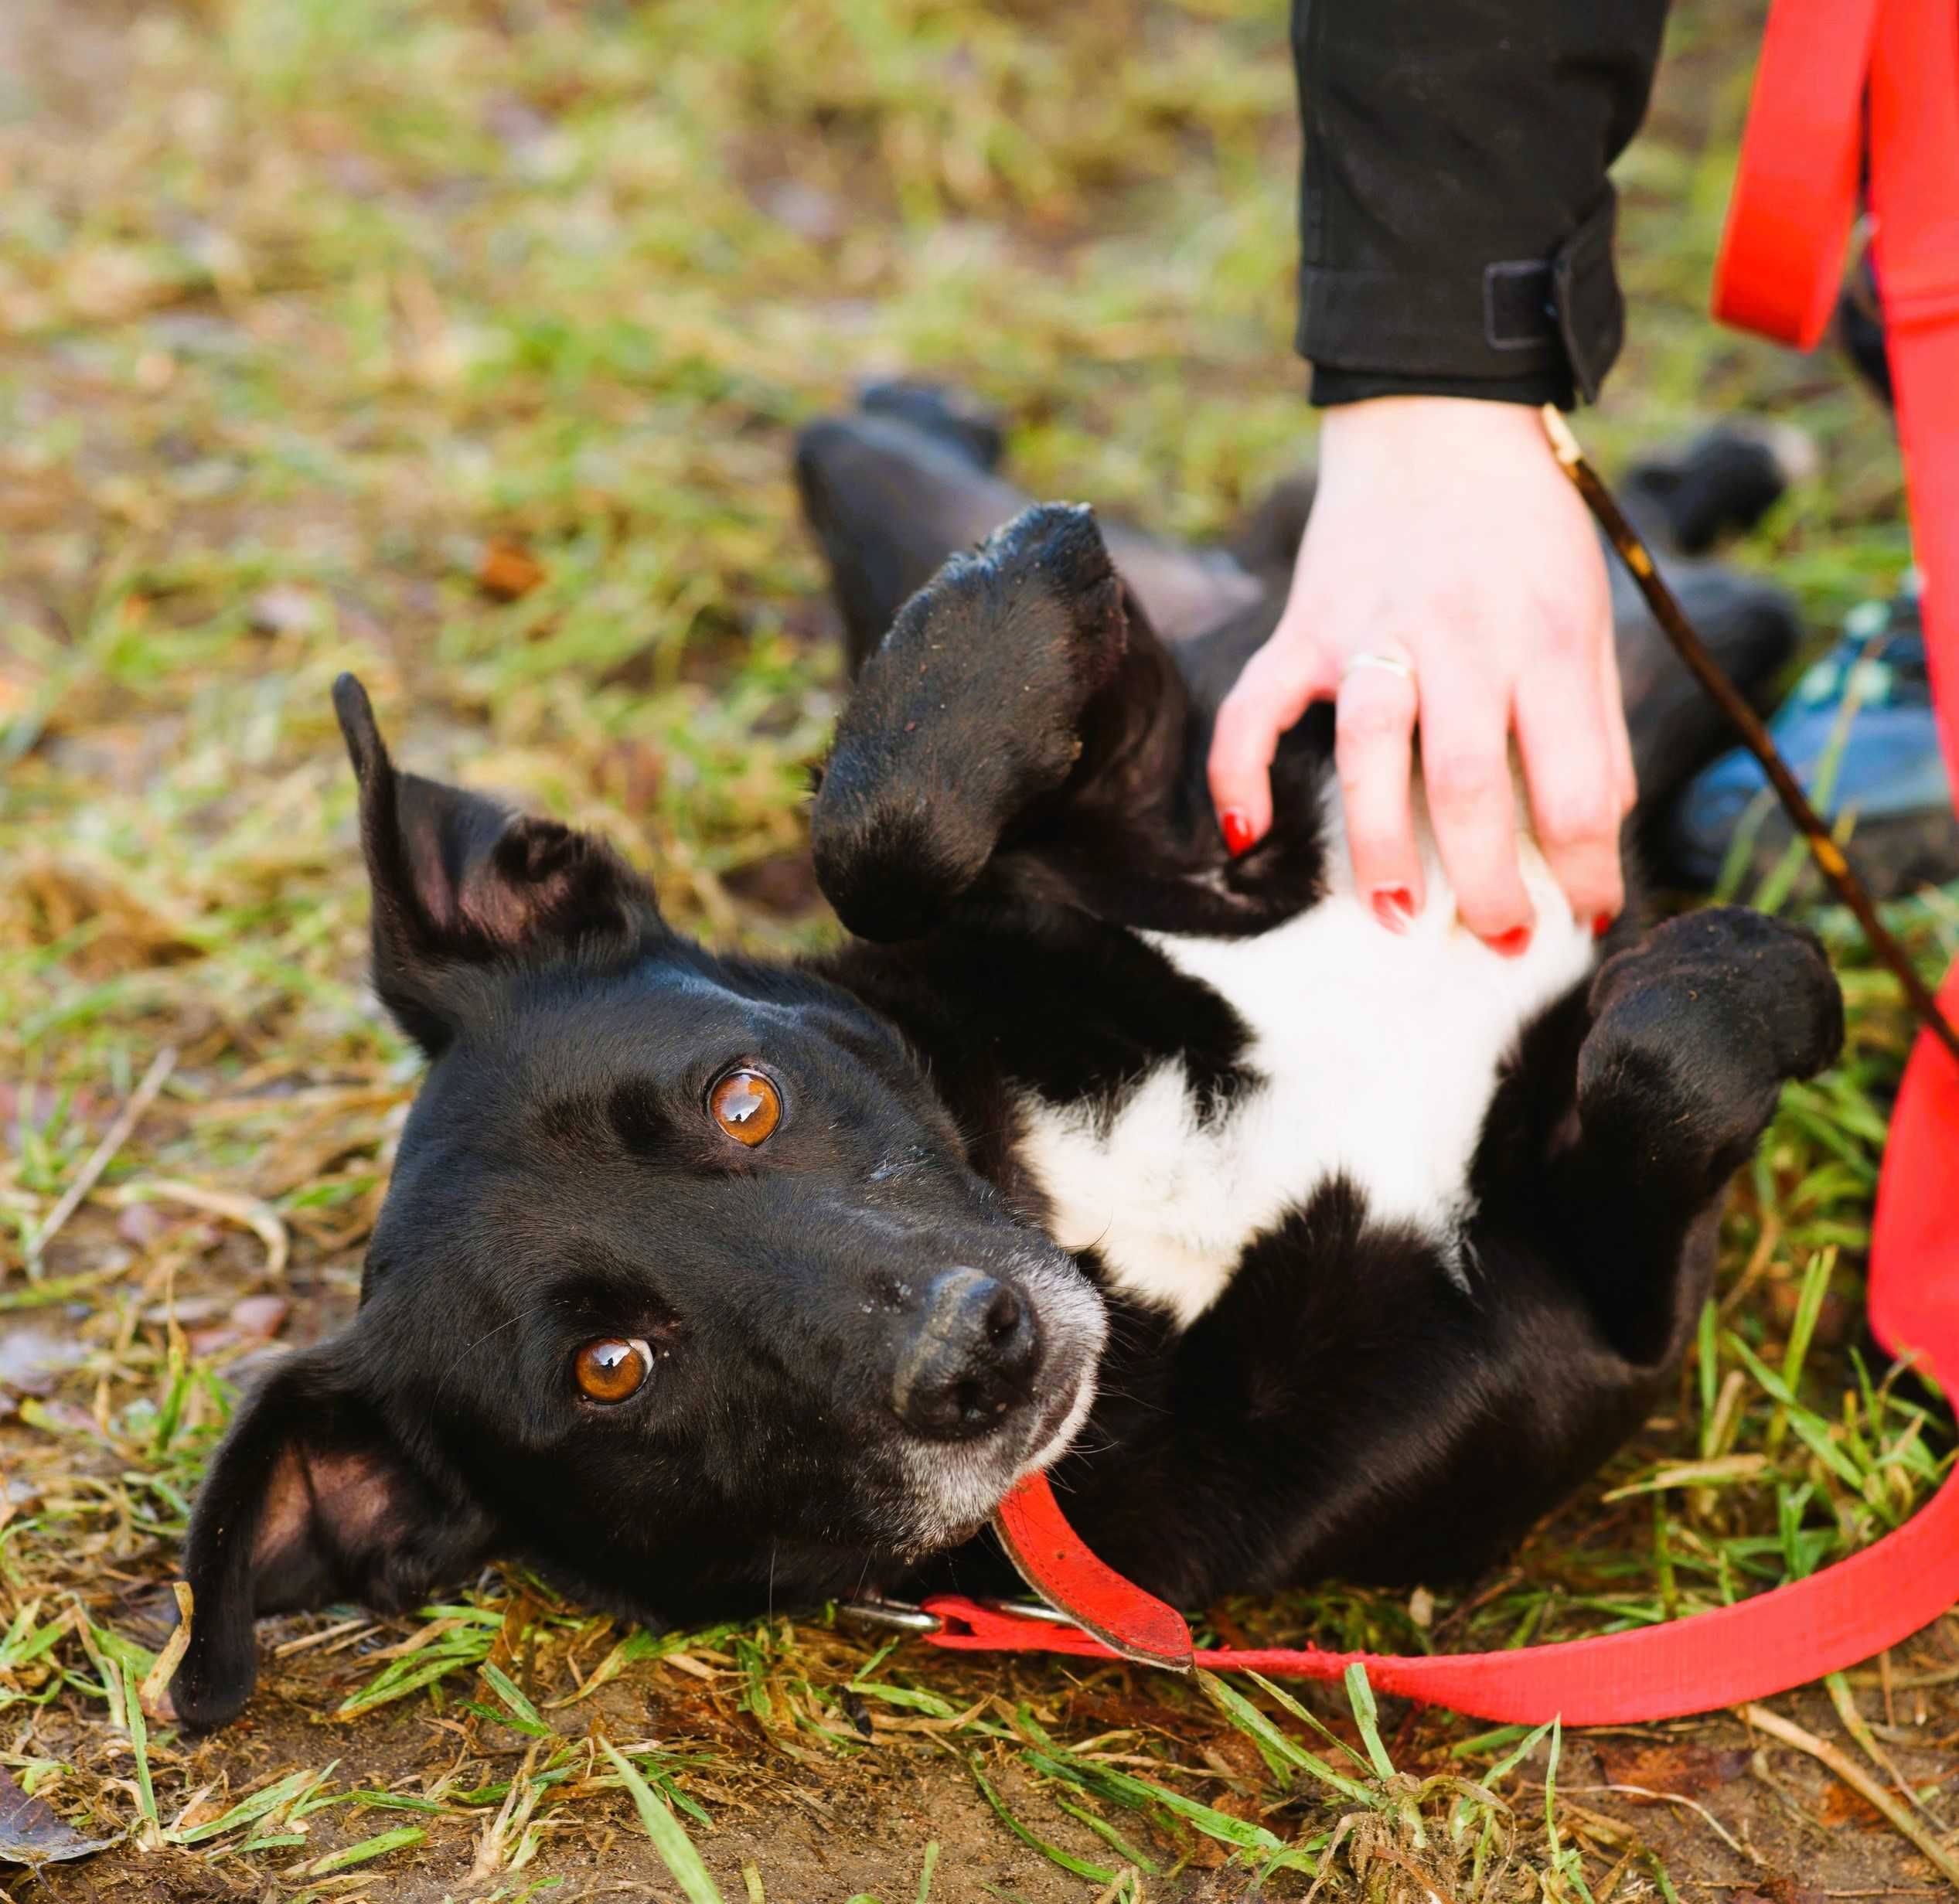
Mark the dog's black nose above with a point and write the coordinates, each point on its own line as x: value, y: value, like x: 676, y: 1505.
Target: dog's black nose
x: 969, y: 1359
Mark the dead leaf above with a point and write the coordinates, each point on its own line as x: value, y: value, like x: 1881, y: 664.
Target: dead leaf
x: 261, y: 1218
x: 1780, y: 1891
x: 188, y: 1312
x: 253, y: 1321
x: 31, y: 1832
x: 262, y: 1316
x: 1121, y: 1712
x: 105, y: 283
x: 629, y: 774
x: 154, y: 1693
x: 1841, y: 1806
x: 508, y: 570
x: 50, y: 898
x: 1678, y: 1771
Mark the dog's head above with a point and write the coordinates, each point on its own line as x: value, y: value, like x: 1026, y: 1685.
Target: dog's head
x: 682, y: 1290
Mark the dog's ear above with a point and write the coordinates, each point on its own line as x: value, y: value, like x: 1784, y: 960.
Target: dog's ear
x: 967, y: 715
x: 459, y: 882
x: 310, y: 1499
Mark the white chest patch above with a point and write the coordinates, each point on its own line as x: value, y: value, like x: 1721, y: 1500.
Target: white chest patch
x: 1377, y: 1055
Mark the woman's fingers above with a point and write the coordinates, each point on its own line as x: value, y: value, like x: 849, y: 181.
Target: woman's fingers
x: 1278, y: 683
x: 1373, y: 744
x: 1575, y: 778
x: 1625, y: 779
x: 1448, y: 521
x: 1473, y: 806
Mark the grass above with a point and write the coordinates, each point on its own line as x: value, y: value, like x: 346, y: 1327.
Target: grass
x: 458, y: 342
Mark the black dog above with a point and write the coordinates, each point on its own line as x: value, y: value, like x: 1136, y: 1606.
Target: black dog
x: 1302, y: 1247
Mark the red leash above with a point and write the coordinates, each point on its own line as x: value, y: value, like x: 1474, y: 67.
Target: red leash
x: 1795, y: 201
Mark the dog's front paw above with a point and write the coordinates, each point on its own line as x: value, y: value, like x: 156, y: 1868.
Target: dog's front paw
x: 1696, y: 1029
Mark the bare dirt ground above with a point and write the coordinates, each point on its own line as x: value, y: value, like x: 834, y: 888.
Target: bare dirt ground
x: 460, y: 342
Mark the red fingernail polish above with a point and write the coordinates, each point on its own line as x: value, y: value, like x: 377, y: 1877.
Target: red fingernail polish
x: 1513, y: 943
x: 1394, y: 906
x: 1237, y: 831
x: 1602, y: 925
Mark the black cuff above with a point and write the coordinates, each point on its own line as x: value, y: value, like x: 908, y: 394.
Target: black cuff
x: 1522, y: 331
x: 1331, y: 387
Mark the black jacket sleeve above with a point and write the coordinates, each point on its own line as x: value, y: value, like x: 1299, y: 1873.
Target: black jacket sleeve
x: 1455, y: 223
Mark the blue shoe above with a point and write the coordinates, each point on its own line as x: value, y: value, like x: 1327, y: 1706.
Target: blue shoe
x: 1883, y: 766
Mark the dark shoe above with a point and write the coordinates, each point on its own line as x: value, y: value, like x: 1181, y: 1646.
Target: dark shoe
x: 1884, y: 767
x: 954, y: 416
x: 1721, y: 483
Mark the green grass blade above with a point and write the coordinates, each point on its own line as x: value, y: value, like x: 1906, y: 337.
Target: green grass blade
x: 392, y: 1801
x: 1513, y: 1759
x: 1285, y: 1700
x: 139, y: 1744
x: 366, y: 1850
x: 1273, y: 1745
x: 524, y: 1717
x: 1367, y: 1717
x: 1809, y: 1306
x: 908, y: 1697
x: 1708, y: 1372
x: 247, y: 1811
x: 403, y: 1677
x: 1143, y: 1795
x: 670, y: 1838
x: 1111, y: 1836
x: 1809, y: 1427
x: 1489, y: 1741
x: 1076, y: 1866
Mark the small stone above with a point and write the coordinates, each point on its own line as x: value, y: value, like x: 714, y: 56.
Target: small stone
x: 142, y: 1224
x: 286, y: 610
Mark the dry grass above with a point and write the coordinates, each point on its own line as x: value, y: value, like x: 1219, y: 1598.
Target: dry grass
x: 459, y: 341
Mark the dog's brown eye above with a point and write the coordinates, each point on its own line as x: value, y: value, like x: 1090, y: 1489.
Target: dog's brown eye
x: 746, y: 1105
x: 610, y: 1370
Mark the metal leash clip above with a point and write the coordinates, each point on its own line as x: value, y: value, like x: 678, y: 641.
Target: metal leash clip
x: 899, y: 1615
x: 1027, y: 1609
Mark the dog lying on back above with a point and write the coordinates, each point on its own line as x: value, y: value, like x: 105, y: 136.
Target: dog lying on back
x: 1301, y: 1248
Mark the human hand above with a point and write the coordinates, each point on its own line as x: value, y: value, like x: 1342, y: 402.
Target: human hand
x: 1446, y: 541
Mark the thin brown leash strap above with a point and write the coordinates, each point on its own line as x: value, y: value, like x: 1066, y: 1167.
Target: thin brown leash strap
x: 1672, y: 619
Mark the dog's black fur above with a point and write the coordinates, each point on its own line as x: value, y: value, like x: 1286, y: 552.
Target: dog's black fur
x: 860, y: 1332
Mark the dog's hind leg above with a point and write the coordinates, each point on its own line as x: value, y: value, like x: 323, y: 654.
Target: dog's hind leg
x: 1266, y: 543
x: 889, y: 502
x: 895, y: 490
x: 953, y: 417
